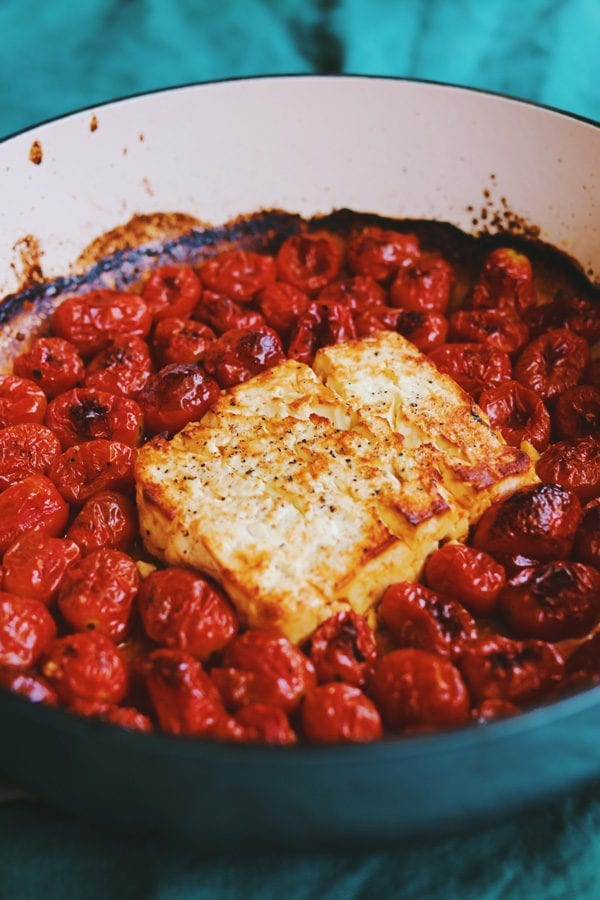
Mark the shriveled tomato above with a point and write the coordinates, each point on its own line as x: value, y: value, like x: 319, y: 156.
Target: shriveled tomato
x: 423, y: 285
x: 26, y: 449
x: 97, y: 593
x: 124, y: 716
x: 85, y: 414
x: 426, y: 330
x: 35, y: 565
x: 577, y: 412
x: 505, y: 281
x: 490, y: 710
x: 587, y: 539
x: 107, y: 520
x: 476, y: 367
x: 339, y: 713
x: 552, y: 602
x: 418, y: 617
x: 223, y: 314
x: 380, y: 252
x: 413, y: 687
x: 358, y: 292
x: 566, y: 310
x: 282, y: 305
x: 553, y: 362
x: 121, y: 368
x: 309, y: 261
x: 264, y: 724
x: 21, y: 400
x: 175, y: 395
x: 585, y: 660
x: 468, y: 575
x: 501, y: 329
x: 86, y: 666
x: 35, y: 688
x: 321, y: 325
x: 97, y: 465
x: 183, y: 697
x: 499, y: 668
x: 32, y: 504
x: 238, y: 355
x: 171, y: 291
x: 343, y: 648
x: 183, y: 610
x: 51, y: 362
x: 239, y: 274
x: 518, y: 413
x: 178, y: 340
x: 573, y: 464
x: 537, y: 522
x: 93, y: 320
x: 26, y: 630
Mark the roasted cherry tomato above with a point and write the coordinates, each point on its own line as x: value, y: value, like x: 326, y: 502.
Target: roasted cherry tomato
x: 339, y: 713
x: 537, y: 522
x: 85, y: 666
x: 180, y: 341
x: 505, y: 281
x: 579, y: 315
x: 309, y: 261
x: 585, y: 660
x: 93, y: 466
x: 498, y: 328
x: 97, y: 593
x: 418, y: 617
x: 358, y: 292
x: 239, y: 274
x: 552, y: 602
x: 21, y: 400
x: 107, y: 520
x: 26, y: 449
x: 171, y: 291
x: 92, y: 321
x: 470, y: 576
x: 423, y: 285
x: 32, y: 504
x: 176, y: 395
x: 587, y: 539
x: 124, y: 716
x: 282, y: 305
x: 518, y: 413
x: 223, y: 314
x: 26, y: 630
x: 121, y: 368
x: 553, y: 362
x: 264, y: 724
x: 184, y: 698
x: 380, y: 252
x: 35, y: 688
x: 475, y: 367
x: 426, y: 330
x: 498, y: 668
x: 52, y: 363
x: 262, y: 666
x: 577, y: 412
x: 321, y: 325
x: 35, y: 565
x: 343, y: 648
x: 238, y: 355
x: 413, y: 687
x: 184, y: 611
x: 490, y: 710
x: 575, y: 465
x: 85, y: 414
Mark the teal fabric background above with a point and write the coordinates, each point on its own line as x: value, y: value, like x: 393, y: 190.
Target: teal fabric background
x: 58, y: 56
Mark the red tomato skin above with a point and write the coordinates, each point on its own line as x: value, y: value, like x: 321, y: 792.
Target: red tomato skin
x: 122, y: 368
x: 475, y: 367
x: 587, y: 539
x: 471, y: 576
x: 575, y: 465
x: 505, y: 282
x: 35, y: 688
x: 499, y: 668
x: 518, y: 413
x: 124, y: 716
x: 85, y: 414
x: 264, y: 724
x: 176, y: 340
x: 498, y: 328
x: 357, y: 293
x: 35, y: 565
x: 579, y: 315
x: 97, y: 465
x: 108, y: 520
x: 171, y: 291
x: 240, y: 354
x: 86, y: 666
x: 309, y: 261
x: 490, y: 710
x: 26, y: 630
x: 184, y: 611
x: 553, y: 362
x: 91, y: 321
x: 424, y: 285
x: 413, y: 687
x: 98, y: 591
x: 176, y: 395
x: 281, y: 305
x: 21, y: 400
x: 577, y: 412
x: 339, y: 713
x: 585, y: 659
x: 321, y: 325
x: 26, y: 449
x: 32, y: 504
x: 426, y: 330
x: 52, y: 363
x: 343, y: 648
x: 223, y: 314
x: 183, y: 697
x: 239, y: 274
x: 380, y: 252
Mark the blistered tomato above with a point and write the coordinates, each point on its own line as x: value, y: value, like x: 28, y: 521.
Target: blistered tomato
x: 26, y: 449
x: 171, y: 291
x: 309, y: 261
x: 238, y: 274
x: 92, y: 320
x: 21, y: 400
x: 425, y: 284
x: 53, y: 363
x: 380, y: 252
x: 85, y: 666
x: 183, y: 697
x: 238, y: 355
x: 476, y: 367
x: 121, y: 368
x: 85, y: 414
x: 339, y: 713
x: 35, y: 565
x: 32, y: 504
x: 343, y: 648
x: 26, y: 630
x: 97, y: 465
x: 518, y: 413
x: 107, y: 520
x: 470, y: 576
x: 176, y: 395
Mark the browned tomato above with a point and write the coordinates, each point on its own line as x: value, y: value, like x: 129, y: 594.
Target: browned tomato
x: 183, y: 697
x: 358, y: 292
x: 553, y: 362
x: 92, y: 321
x: 587, y: 539
x: 96, y: 465
x: 566, y: 310
x: 423, y: 285
x: 238, y: 355
x: 518, y: 413
x: 381, y: 252
x: 309, y: 261
x: 107, y: 520
x: 470, y: 576
x: 171, y: 291
x: 476, y: 367
x: 282, y: 305
x: 177, y: 340
x: 575, y: 465
x: 175, y: 395
x: 121, y: 368
x: 339, y: 713
x: 505, y: 281
x: 51, y: 362
x: 85, y: 414
x: 501, y: 329
x: 223, y: 314
x: 343, y: 648
x: 498, y: 668
x: 26, y: 449
x: 239, y: 274
x: 577, y: 412
x: 321, y: 325
x: 426, y: 330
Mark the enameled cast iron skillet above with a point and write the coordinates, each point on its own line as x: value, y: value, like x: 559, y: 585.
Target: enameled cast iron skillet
x: 307, y: 145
